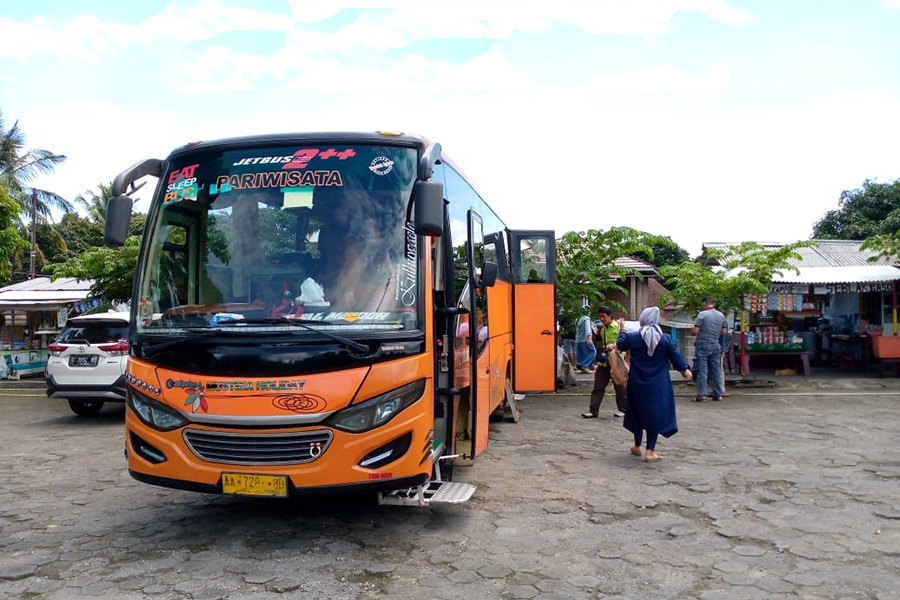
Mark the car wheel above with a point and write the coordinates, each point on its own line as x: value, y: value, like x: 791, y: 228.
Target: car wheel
x: 86, y: 408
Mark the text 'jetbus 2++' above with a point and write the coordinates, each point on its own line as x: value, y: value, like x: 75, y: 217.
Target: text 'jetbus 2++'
x: 337, y: 312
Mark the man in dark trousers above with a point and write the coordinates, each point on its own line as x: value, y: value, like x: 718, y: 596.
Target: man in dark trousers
x: 708, y: 327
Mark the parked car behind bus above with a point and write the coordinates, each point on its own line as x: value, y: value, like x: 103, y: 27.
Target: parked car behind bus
x: 87, y: 362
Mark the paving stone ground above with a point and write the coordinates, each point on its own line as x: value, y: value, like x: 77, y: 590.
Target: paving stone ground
x: 790, y: 491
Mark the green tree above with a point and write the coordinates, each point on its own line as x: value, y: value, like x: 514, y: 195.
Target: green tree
x: 78, y: 233
x: 664, y: 252
x: 886, y: 247
x: 11, y: 243
x: 19, y: 166
x: 111, y: 269
x: 728, y: 274
x: 96, y: 202
x: 873, y: 209
x: 586, y: 266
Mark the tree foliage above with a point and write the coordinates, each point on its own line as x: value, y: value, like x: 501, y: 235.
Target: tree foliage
x: 85, y: 256
x: 873, y: 209
x: 19, y: 166
x: 728, y: 274
x: 79, y: 234
x: 11, y: 243
x: 664, y: 252
x: 586, y: 268
x: 112, y: 269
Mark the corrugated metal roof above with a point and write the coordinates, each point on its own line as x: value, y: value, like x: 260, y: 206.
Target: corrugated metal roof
x: 854, y: 274
x: 43, y: 284
x: 831, y: 261
x: 40, y: 292
x: 825, y: 253
x: 839, y: 253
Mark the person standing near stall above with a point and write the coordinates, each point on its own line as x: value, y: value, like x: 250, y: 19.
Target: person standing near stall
x: 708, y: 328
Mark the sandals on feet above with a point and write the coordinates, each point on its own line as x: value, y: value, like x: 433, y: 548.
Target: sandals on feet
x: 636, y: 450
x: 651, y: 456
x: 717, y: 398
x: 589, y: 415
x: 699, y: 399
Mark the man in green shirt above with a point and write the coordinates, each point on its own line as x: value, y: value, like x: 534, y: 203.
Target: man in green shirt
x: 605, y: 341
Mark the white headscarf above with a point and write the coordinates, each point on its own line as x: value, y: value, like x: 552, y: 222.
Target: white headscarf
x: 650, y: 331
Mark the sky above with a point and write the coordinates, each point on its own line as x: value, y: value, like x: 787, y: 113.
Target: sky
x: 701, y: 120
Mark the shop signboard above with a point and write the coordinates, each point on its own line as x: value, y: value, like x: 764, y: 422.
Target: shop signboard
x: 859, y: 287
x: 789, y: 288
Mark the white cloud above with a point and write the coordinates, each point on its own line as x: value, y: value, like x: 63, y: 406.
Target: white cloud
x: 82, y: 39
x: 183, y: 24
x: 176, y: 26
x: 660, y: 78
x: 100, y: 139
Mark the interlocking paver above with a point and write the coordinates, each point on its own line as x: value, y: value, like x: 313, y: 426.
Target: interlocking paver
x: 784, y: 492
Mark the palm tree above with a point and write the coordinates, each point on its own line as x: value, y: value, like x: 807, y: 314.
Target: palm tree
x: 96, y: 203
x: 18, y: 167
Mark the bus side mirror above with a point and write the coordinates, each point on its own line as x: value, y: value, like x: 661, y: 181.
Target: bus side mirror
x: 489, y: 273
x: 118, y: 218
x: 429, y: 199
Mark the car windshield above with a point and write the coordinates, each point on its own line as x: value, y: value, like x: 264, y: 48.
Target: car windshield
x: 93, y: 332
x: 259, y: 238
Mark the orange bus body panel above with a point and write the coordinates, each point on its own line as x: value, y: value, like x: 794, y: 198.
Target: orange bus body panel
x: 314, y: 394
x: 534, y: 355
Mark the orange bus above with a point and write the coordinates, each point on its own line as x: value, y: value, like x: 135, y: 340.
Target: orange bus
x: 326, y: 312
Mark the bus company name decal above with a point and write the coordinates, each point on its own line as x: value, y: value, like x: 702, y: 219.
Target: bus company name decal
x: 298, y: 160
x: 239, y: 386
x: 406, y: 288
x: 278, y: 179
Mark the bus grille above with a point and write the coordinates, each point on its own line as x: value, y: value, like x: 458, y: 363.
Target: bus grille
x: 258, y: 448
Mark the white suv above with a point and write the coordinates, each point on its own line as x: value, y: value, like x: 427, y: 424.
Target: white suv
x: 87, y: 362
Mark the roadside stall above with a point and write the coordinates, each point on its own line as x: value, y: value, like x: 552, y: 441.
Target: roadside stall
x: 32, y: 313
x: 831, y: 316
x: 838, y: 309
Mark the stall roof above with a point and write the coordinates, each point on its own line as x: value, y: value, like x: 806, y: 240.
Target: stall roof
x: 41, y: 293
x: 856, y: 274
x: 831, y: 261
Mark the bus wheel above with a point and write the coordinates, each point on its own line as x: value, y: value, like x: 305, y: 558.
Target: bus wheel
x: 86, y: 408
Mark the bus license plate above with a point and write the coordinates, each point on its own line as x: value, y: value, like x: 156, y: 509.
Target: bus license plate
x: 249, y: 484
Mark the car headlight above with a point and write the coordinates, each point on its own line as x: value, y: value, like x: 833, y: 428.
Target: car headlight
x: 153, y: 413
x: 378, y: 410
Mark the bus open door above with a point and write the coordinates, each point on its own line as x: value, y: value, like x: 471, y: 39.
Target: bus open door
x: 533, y: 255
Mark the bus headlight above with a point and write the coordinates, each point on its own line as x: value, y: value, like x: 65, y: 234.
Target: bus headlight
x: 377, y: 411
x: 154, y: 413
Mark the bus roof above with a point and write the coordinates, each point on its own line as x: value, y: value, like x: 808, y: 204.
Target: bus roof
x: 274, y: 139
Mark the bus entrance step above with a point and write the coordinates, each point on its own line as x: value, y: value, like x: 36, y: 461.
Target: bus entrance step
x: 434, y: 492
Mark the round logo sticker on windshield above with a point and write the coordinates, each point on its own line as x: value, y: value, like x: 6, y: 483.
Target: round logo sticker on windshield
x: 381, y: 165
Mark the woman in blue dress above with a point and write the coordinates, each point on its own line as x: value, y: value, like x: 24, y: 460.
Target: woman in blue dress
x: 586, y: 353
x: 651, y: 399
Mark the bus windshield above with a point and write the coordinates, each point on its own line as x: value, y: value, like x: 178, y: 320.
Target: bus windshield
x: 282, y: 238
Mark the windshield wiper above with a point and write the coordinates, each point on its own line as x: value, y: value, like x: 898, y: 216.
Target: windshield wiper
x: 200, y: 333
x: 305, y: 324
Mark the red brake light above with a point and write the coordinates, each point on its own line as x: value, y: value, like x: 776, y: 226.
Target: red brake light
x: 120, y: 348
x: 55, y: 349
